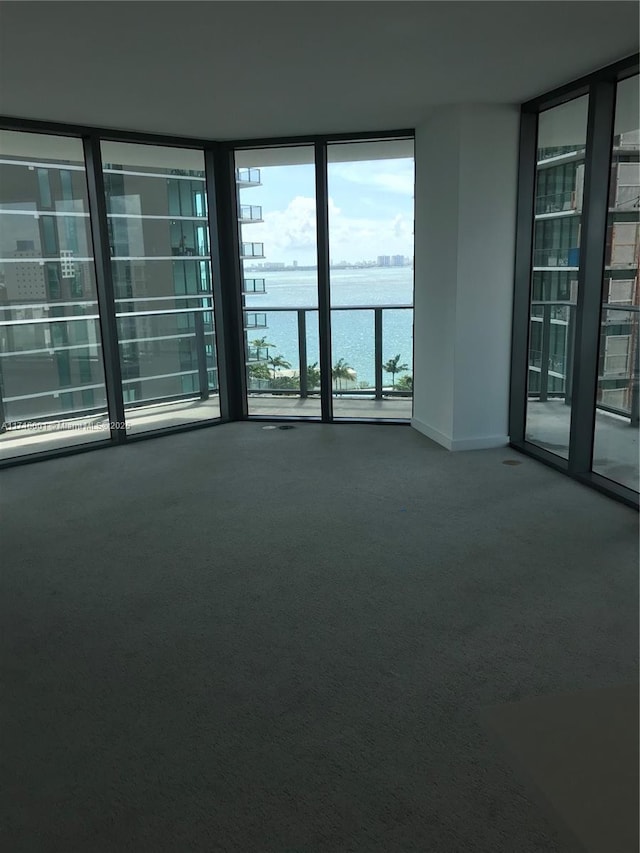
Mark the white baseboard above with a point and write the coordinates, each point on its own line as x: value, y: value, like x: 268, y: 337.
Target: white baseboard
x: 478, y: 443
x: 433, y: 434
x: 485, y: 442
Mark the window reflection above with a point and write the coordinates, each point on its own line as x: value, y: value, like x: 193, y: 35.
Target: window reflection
x: 52, y: 390
x: 615, y: 452
x: 562, y: 133
x: 159, y: 243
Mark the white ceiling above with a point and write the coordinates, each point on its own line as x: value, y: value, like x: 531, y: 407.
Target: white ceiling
x: 257, y: 69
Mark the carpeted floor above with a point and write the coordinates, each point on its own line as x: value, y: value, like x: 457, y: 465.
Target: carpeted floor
x: 580, y: 751
x: 241, y: 639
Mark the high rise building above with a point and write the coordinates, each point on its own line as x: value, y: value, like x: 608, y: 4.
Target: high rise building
x: 558, y: 237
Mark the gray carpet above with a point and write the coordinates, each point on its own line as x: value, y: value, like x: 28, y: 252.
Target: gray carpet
x: 580, y: 750
x: 241, y: 639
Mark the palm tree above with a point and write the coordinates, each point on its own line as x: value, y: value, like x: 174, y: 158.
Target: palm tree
x: 259, y: 371
x: 393, y: 367
x: 261, y: 343
x: 276, y: 363
x: 341, y: 370
x: 313, y: 376
x: 405, y: 383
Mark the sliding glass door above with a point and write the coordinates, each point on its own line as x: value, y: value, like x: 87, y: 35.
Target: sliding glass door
x: 615, y: 448
x: 142, y: 276
x: 371, y: 201
x: 317, y: 292
x: 52, y: 381
x: 575, y: 378
x: 157, y: 212
x: 560, y: 158
x: 278, y: 255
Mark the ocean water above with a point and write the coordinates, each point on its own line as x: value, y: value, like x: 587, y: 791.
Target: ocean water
x: 352, y: 332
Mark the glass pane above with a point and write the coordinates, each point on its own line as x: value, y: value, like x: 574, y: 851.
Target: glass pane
x: 397, y: 367
x: 161, y: 266
x: 562, y: 134
x: 615, y: 450
x: 52, y: 391
x: 277, y: 216
x: 371, y: 187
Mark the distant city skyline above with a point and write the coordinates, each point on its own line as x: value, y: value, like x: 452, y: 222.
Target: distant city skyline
x: 382, y: 261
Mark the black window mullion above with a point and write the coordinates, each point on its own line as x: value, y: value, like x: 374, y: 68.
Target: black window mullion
x: 525, y: 225
x: 227, y: 280
x: 104, y: 287
x: 324, y: 291
x: 590, y: 275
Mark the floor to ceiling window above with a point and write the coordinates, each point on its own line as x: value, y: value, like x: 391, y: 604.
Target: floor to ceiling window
x: 575, y: 378
x: 371, y: 215
x: 561, y: 145
x: 615, y: 448
x: 317, y: 292
x: 109, y: 327
x: 278, y: 253
x: 161, y: 268
x: 52, y: 385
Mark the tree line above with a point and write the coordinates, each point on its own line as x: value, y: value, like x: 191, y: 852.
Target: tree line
x: 269, y: 367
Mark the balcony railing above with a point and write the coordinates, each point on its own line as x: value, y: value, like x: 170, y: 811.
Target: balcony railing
x: 556, y: 203
x: 251, y: 250
x: 248, y: 177
x: 551, y: 372
x: 255, y: 320
x: 254, y: 285
x: 51, y: 367
x: 375, y: 387
x: 249, y: 213
x: 257, y: 355
x: 162, y: 350
x: 556, y: 257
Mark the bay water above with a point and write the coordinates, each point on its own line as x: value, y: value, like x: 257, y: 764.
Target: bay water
x: 352, y: 331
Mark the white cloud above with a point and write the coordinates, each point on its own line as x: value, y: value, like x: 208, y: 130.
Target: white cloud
x: 362, y: 239
x: 394, y: 176
x: 403, y: 184
x: 290, y: 234
x: 285, y: 231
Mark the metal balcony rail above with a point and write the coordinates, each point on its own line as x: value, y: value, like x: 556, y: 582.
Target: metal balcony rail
x: 377, y: 390
x: 248, y: 176
x: 251, y: 250
x: 255, y: 355
x: 559, y: 153
x: 138, y: 345
x: 250, y: 213
x: 556, y: 257
x: 253, y: 320
x: 558, y: 365
x: 201, y: 332
x: 556, y: 202
x: 254, y: 285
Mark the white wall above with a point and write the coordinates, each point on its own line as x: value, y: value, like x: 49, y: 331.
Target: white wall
x: 437, y: 153
x: 466, y: 176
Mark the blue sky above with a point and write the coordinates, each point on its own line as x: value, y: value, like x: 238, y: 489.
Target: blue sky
x: 370, y: 211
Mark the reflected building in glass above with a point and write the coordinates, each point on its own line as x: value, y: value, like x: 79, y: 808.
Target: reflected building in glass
x: 560, y: 174
x: 161, y: 267
x: 50, y: 343
x: 618, y: 380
